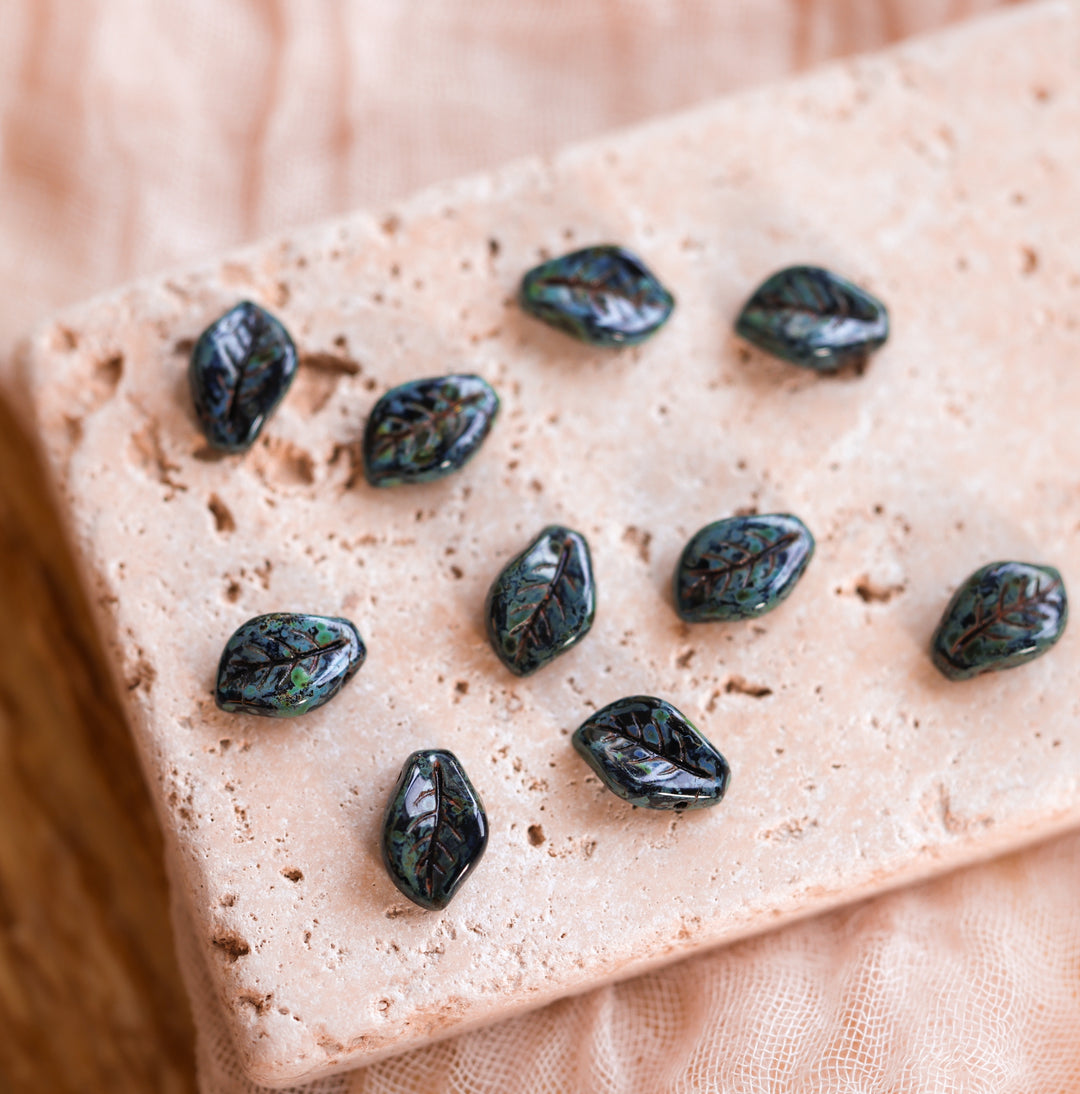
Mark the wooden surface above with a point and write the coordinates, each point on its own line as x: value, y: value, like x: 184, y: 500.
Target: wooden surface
x: 90, y: 995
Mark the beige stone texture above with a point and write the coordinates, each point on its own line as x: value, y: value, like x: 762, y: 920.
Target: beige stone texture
x: 940, y: 176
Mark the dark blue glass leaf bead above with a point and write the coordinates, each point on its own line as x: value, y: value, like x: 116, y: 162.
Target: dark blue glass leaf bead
x: 602, y: 295
x: 241, y: 367
x: 814, y: 318
x: 425, y: 429
x: 435, y: 829
x: 285, y: 664
x: 543, y: 602
x: 1005, y: 614
x: 649, y: 754
x: 741, y: 567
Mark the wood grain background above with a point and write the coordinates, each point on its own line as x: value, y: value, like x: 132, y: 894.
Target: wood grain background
x: 90, y: 995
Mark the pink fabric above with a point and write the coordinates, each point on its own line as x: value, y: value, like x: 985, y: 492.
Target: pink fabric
x: 137, y: 136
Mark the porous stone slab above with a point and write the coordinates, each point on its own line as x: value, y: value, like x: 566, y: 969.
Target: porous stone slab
x: 942, y: 177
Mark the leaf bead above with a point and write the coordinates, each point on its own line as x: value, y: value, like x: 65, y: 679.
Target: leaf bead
x: 285, y: 664
x: 650, y: 755
x: 814, y: 318
x: 741, y: 567
x: 425, y: 429
x: 435, y: 829
x: 543, y: 602
x: 601, y: 295
x: 1005, y: 614
x: 241, y: 368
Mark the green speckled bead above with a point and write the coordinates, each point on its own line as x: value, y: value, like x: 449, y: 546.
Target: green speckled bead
x: 435, y: 829
x: 425, y: 429
x: 650, y: 755
x: 287, y: 663
x: 543, y: 602
x: 601, y: 295
x: 1005, y: 614
x: 741, y: 567
x: 814, y: 318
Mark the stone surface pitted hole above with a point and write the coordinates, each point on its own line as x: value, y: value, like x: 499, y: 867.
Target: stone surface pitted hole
x: 223, y: 518
x: 232, y: 946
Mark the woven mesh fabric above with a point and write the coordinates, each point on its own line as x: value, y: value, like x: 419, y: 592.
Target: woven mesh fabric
x: 137, y: 136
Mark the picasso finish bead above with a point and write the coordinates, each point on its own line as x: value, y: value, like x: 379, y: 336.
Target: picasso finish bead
x: 650, y: 755
x: 601, y: 295
x: 286, y: 664
x: 435, y: 829
x: 1005, y: 614
x: 741, y: 567
x: 543, y: 601
x: 241, y: 368
x: 814, y: 318
x: 425, y: 429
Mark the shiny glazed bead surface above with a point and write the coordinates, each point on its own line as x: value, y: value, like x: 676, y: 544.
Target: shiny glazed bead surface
x: 1004, y: 615
x: 287, y: 663
x: 650, y: 755
x: 601, y: 295
x: 425, y: 429
x: 741, y: 567
x: 543, y: 601
x: 814, y: 318
x: 435, y: 829
x: 241, y: 368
